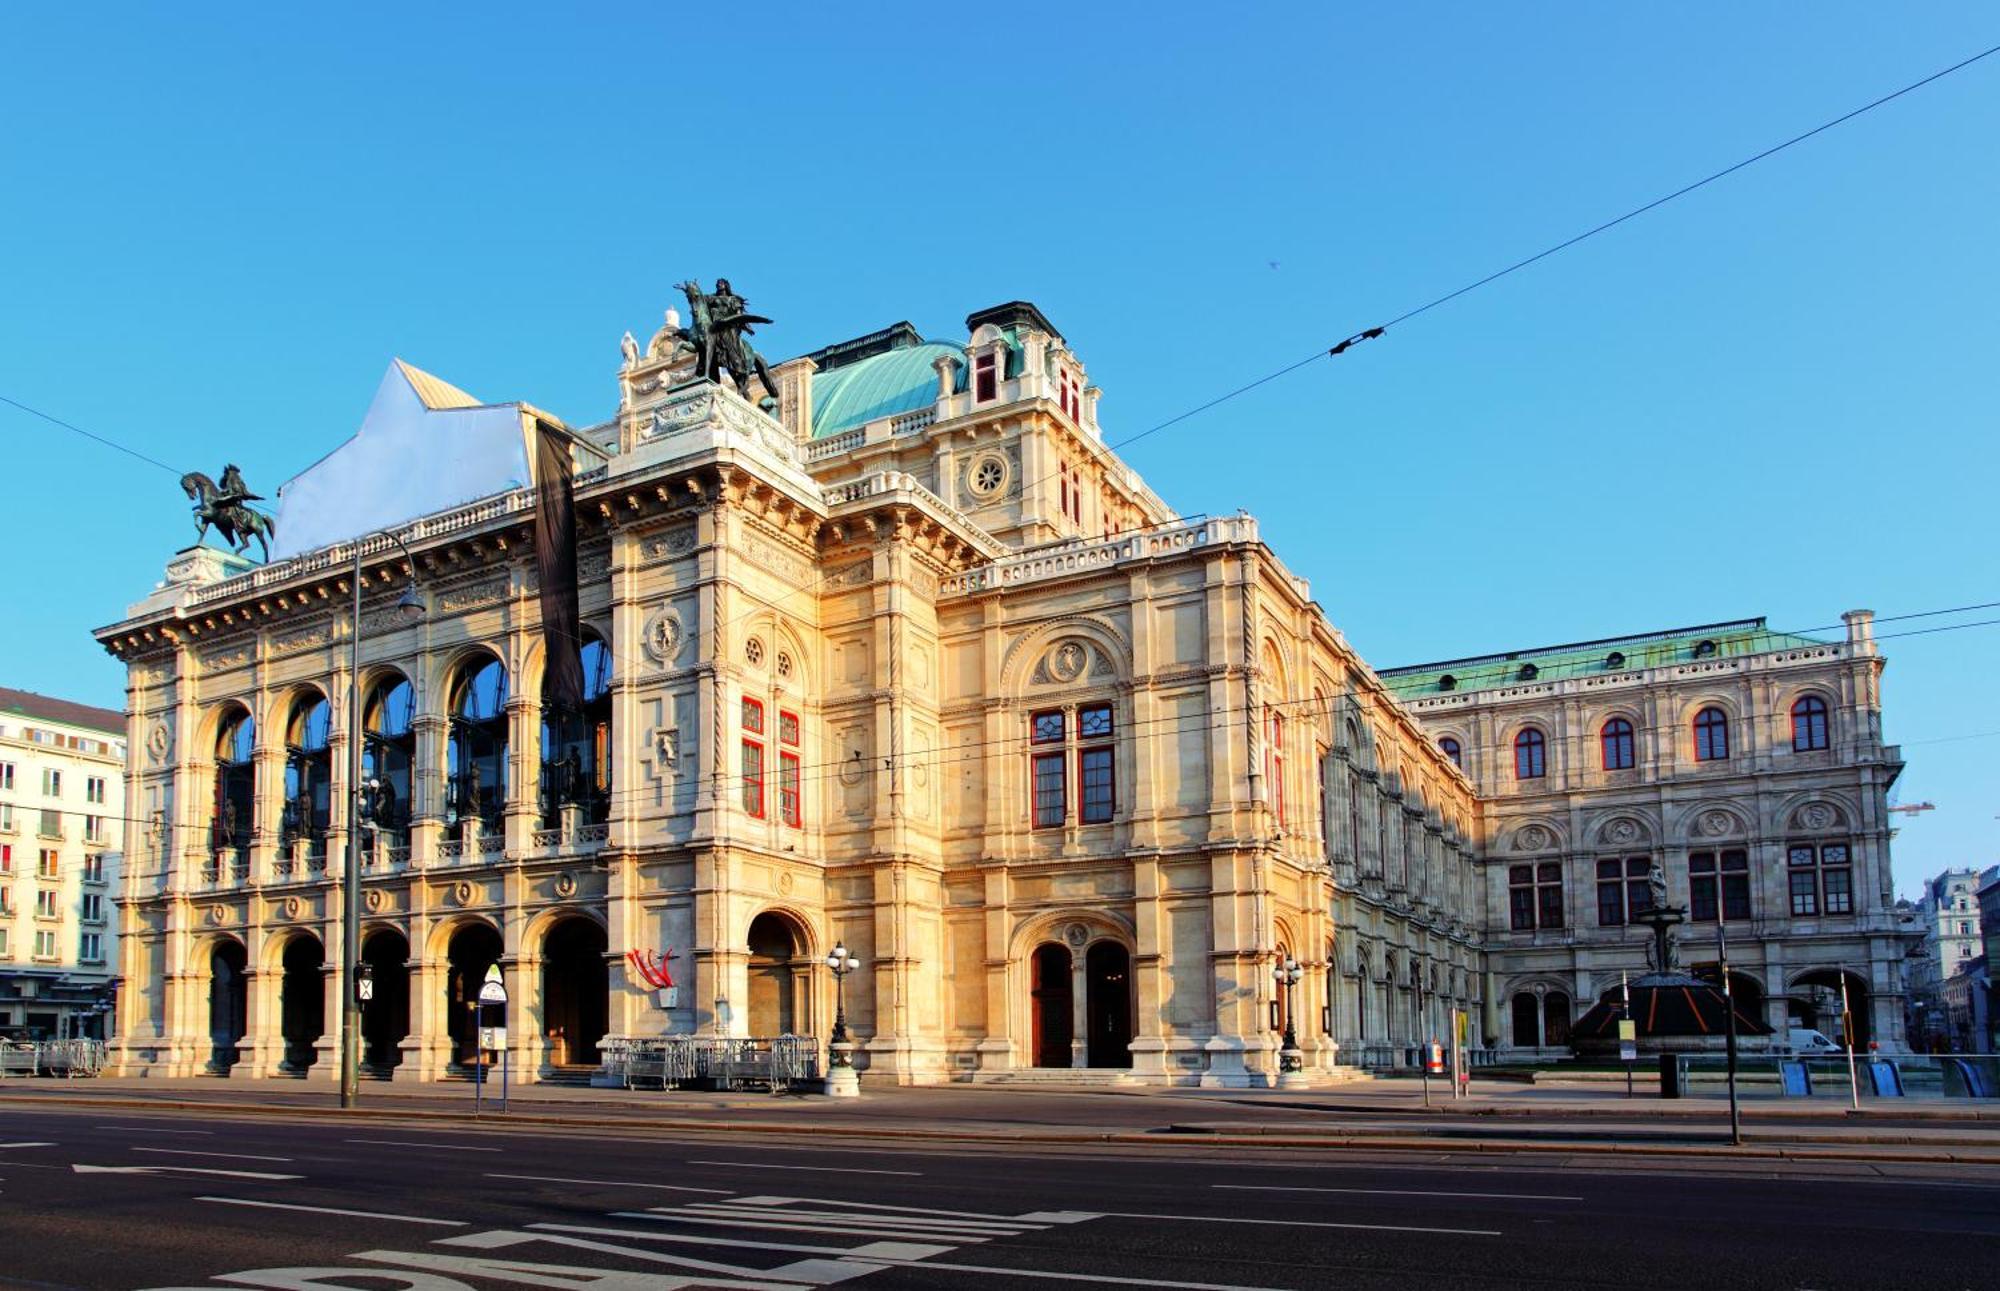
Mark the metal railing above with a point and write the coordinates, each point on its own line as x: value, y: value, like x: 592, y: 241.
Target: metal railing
x: 779, y: 1064
x: 1950, y: 1075
x: 66, y: 1058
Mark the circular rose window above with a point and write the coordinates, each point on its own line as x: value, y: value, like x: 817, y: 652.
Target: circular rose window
x: 988, y: 475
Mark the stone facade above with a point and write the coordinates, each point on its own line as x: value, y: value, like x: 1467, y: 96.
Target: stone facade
x: 904, y: 659
x: 1747, y: 763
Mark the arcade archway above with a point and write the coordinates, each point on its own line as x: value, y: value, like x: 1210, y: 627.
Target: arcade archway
x: 1815, y: 1004
x: 228, y: 1003
x: 1052, y: 1025
x: 780, y: 975
x: 385, y: 1020
x: 474, y: 948
x: 576, y: 1006
x: 301, y: 1001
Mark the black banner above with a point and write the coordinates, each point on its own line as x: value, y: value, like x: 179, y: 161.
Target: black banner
x: 555, y: 561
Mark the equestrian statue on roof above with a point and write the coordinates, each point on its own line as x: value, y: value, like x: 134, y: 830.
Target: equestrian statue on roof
x: 721, y: 323
x: 225, y: 507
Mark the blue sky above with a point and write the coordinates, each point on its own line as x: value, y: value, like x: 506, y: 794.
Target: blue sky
x: 1775, y: 397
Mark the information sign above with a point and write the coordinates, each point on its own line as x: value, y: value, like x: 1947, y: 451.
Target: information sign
x: 493, y: 990
x: 1628, y: 1051
x: 1628, y: 1029
x: 493, y: 1037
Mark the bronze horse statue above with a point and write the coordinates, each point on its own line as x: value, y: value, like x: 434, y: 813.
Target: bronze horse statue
x: 720, y: 343
x: 237, y: 523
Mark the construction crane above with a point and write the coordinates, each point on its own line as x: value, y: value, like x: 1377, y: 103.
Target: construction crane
x: 1912, y: 808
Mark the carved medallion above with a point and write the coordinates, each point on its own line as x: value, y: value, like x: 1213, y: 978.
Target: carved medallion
x: 1531, y: 838
x: 1076, y: 934
x: 461, y: 892
x: 786, y: 883
x: 661, y: 636
x: 218, y: 914
x: 1817, y: 816
x: 565, y: 886
x: 293, y: 906
x: 374, y: 900
x: 159, y: 742
x: 1714, y: 824
x: 1068, y: 660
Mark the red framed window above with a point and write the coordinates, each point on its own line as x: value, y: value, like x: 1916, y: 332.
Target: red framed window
x: 788, y: 789
x: 1274, y: 759
x: 1051, y: 798
x: 752, y: 765
x: 1531, y: 752
x: 753, y: 778
x: 788, y: 728
x: 1809, y: 724
x: 1097, y: 766
x: 985, y: 379
x: 1616, y: 737
x: 1711, y: 735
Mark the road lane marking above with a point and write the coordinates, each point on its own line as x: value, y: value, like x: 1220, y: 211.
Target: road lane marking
x: 1397, y: 1192
x: 904, y: 1210
x: 184, y: 1169
x: 1303, y: 1223
x: 404, y: 1143
x: 760, y: 1209
x: 754, y: 1221
x: 1050, y: 1274
x: 190, y: 1152
x: 869, y: 1250
x: 148, y: 1129
x: 608, y: 1183
x: 816, y: 1169
x: 26, y: 1145
x: 336, y: 1210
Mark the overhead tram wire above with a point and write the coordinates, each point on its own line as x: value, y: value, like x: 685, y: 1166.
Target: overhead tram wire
x: 1213, y: 718
x: 1358, y: 705
x: 90, y: 435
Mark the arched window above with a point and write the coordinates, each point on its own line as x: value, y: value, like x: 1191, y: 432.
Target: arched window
x: 1453, y: 751
x: 1711, y: 735
x: 387, y: 757
x: 1530, y: 755
x: 477, y: 751
x: 1617, y: 741
x: 308, y: 782
x: 576, y: 748
x: 1809, y: 724
x: 235, y: 816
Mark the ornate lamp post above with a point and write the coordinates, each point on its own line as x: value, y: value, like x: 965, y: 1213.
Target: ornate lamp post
x: 410, y: 608
x: 1291, y: 1064
x: 841, y: 1082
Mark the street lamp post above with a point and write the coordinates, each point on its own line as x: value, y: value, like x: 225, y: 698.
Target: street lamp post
x: 841, y: 1080
x: 1291, y: 1064
x: 411, y: 608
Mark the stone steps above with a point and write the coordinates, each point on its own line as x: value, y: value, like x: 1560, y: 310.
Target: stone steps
x: 1056, y: 1077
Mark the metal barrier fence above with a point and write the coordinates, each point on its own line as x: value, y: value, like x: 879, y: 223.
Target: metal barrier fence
x: 66, y: 1058
x: 779, y: 1064
x: 1955, y: 1075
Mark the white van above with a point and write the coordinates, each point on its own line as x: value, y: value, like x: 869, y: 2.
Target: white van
x: 1810, y: 1042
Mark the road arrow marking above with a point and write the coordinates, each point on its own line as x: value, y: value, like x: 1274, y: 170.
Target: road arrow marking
x: 181, y: 1169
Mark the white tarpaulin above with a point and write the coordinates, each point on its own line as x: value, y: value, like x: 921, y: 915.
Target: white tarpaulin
x: 425, y: 446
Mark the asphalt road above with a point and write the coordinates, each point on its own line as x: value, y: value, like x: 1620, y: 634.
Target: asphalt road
x: 109, y: 1198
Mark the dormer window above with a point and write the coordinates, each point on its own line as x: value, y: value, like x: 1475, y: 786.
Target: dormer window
x: 1528, y: 672
x: 1447, y: 682
x: 1704, y: 650
x: 986, y: 378
x: 1069, y: 396
x: 1615, y: 660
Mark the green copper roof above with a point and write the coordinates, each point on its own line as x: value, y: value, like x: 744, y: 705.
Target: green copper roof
x: 1594, y: 658
x: 882, y: 385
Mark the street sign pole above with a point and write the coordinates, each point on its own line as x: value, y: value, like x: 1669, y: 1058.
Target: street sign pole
x: 1628, y: 1034
x: 1847, y: 1035
x: 478, y: 1057
x: 1729, y: 1030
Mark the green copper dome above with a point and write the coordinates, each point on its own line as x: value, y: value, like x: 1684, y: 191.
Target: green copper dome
x: 882, y: 385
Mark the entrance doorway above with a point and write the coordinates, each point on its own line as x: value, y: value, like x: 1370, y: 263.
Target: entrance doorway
x: 778, y: 977
x: 385, y: 1020
x: 302, y: 1001
x: 228, y: 1003
x: 1053, y: 1025
x: 576, y: 1002
x: 474, y: 948
x: 1107, y: 971
x: 1815, y: 1005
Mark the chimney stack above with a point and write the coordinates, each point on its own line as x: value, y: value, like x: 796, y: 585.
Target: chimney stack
x: 1860, y: 628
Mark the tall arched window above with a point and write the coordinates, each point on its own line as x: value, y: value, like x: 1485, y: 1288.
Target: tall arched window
x: 235, y: 815
x: 388, y: 757
x: 1711, y: 735
x: 1809, y: 724
x: 576, y: 750
x: 1530, y: 755
x: 1453, y: 751
x: 1617, y: 740
x: 477, y: 753
x: 308, y: 782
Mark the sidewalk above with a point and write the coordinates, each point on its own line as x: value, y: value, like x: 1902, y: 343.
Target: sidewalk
x: 1379, y: 1115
